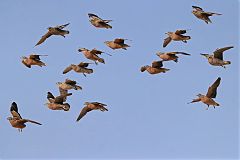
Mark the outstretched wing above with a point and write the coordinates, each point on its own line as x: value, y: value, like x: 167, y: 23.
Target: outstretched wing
x: 119, y: 41
x: 212, y: 90
x: 83, y: 64
x: 166, y: 41
x: 14, y: 111
x: 97, y: 103
x: 93, y: 16
x: 157, y: 64
x: 36, y: 56
x: 183, y: 53
x: 83, y: 112
x: 218, y: 53
x: 182, y: 31
x: 28, y: 120
x: 95, y: 51
x: 197, y: 8
x: 62, y: 26
x: 44, y: 37
x: 66, y: 70
x: 70, y: 82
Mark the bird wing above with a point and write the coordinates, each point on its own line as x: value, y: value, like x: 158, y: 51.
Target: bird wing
x: 170, y: 53
x: 197, y: 8
x: 181, y: 31
x: 14, y: 111
x: 62, y: 26
x: 97, y: 103
x: 91, y: 15
x: 70, y: 82
x: 95, y: 51
x: 166, y: 41
x: 218, y: 53
x: 119, y: 41
x: 66, y: 70
x: 44, y: 37
x: 36, y: 56
x: 28, y: 120
x: 83, y: 112
x: 50, y: 95
x: 212, y: 90
x: 157, y: 64
x: 83, y: 64
x: 63, y: 96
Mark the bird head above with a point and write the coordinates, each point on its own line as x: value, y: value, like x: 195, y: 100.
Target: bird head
x: 199, y: 95
x: 82, y: 49
x: 58, y: 83
x: 205, y: 55
x: 159, y: 53
x: 143, y: 68
x: 9, y: 118
x: 86, y: 103
x: 23, y: 57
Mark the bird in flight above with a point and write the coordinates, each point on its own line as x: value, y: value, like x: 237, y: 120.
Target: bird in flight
x: 58, y: 30
x: 201, y: 14
x: 33, y: 59
x: 217, y: 58
x: 211, y: 93
x: 98, y: 22
x: 176, y: 36
x: 118, y: 43
x: 155, y: 68
x: 170, y: 56
x: 16, y: 120
x: 89, y: 106
x: 79, y: 68
x: 92, y: 54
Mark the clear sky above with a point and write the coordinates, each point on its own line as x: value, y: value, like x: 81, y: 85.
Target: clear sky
x: 148, y: 116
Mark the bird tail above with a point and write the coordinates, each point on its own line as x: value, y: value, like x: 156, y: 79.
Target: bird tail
x: 143, y: 68
x: 78, y: 87
x: 227, y: 62
x: 66, y: 107
x: 216, y: 14
x: 101, y: 60
x: 188, y: 37
x: 103, y: 109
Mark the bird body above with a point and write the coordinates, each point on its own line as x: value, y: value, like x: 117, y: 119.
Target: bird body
x: 80, y: 68
x: 200, y: 14
x: 57, y: 106
x: 176, y: 36
x: 157, y: 67
x: 92, y: 55
x: 217, y: 58
x: 69, y: 84
x: 33, y: 59
x: 16, y: 120
x: 58, y: 30
x: 208, y: 98
x: 168, y: 56
x: 98, y: 22
x: 89, y: 106
x: 118, y: 43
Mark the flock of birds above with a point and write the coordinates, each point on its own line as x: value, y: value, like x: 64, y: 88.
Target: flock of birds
x: 59, y: 102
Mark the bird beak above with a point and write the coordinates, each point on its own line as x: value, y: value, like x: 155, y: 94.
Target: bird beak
x: 205, y: 55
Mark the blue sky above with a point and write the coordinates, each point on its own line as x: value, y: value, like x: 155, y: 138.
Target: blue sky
x: 148, y: 117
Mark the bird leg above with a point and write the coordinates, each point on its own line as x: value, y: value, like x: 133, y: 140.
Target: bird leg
x: 84, y: 75
x: 207, y: 107
x: 224, y: 66
x: 184, y: 41
x: 96, y: 62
